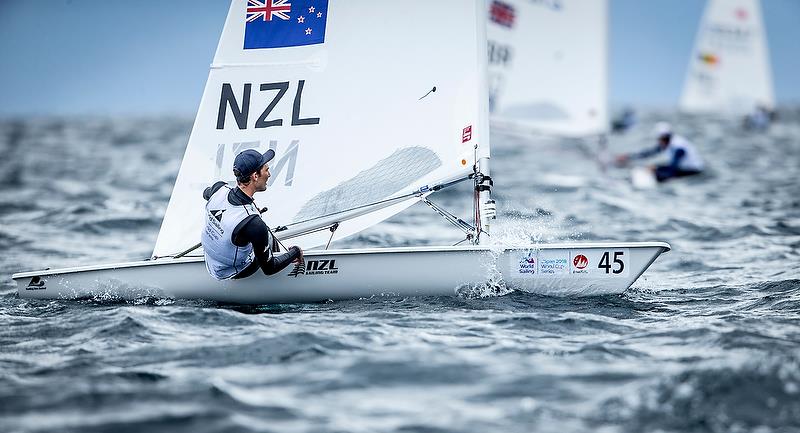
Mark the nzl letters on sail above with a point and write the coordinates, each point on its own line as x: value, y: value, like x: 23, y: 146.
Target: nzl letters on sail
x: 241, y: 112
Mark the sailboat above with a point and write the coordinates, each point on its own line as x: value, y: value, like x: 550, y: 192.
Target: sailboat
x: 548, y: 76
x: 548, y: 67
x: 366, y: 119
x: 729, y: 69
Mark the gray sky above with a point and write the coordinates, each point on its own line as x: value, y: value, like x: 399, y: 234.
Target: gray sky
x: 152, y: 57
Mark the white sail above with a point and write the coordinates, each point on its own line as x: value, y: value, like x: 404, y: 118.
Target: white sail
x: 336, y: 89
x: 729, y: 68
x: 548, y: 65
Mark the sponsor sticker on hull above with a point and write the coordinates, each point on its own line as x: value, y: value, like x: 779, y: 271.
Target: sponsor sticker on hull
x: 525, y: 265
x: 553, y: 263
x: 594, y: 263
x: 600, y: 263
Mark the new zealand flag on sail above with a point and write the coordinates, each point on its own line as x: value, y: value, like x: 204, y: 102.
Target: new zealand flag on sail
x: 285, y: 23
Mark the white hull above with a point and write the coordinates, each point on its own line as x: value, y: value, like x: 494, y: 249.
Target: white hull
x: 558, y: 269
x: 643, y: 178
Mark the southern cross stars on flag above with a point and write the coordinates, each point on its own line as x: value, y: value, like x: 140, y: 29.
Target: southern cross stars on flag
x: 285, y: 23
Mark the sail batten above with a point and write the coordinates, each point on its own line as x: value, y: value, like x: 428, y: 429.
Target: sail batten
x: 340, y: 215
x: 342, y: 112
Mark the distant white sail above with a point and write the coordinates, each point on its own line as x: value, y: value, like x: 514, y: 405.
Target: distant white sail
x: 548, y: 65
x: 345, y: 99
x: 729, y: 69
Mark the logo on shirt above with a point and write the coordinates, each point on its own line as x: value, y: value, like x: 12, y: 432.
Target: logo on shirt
x: 217, y: 214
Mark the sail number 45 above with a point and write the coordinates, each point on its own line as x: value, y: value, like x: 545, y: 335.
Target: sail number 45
x: 606, y: 262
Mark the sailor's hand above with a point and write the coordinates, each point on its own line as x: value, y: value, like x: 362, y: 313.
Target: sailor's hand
x: 299, y: 258
x: 621, y: 160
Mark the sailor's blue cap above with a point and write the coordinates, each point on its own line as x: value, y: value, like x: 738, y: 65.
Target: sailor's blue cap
x: 250, y: 161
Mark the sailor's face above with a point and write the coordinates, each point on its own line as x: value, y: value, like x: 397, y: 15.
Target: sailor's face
x: 262, y: 177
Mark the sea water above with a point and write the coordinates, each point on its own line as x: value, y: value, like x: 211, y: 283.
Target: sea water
x: 708, y: 339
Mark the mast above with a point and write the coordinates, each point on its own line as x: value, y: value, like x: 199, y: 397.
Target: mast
x: 485, y: 209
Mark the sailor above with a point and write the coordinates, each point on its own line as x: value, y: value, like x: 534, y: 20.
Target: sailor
x: 684, y: 158
x: 236, y: 241
x: 625, y: 121
x: 759, y: 119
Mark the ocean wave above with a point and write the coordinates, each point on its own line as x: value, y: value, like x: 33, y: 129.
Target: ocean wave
x: 116, y: 224
x: 763, y: 394
x: 705, y: 340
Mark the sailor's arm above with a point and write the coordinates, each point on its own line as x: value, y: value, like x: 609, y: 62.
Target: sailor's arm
x: 278, y: 263
x: 255, y: 231
x: 208, y: 192
x: 647, y: 153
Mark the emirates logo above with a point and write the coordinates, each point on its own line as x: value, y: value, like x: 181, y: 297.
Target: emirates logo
x: 580, y: 261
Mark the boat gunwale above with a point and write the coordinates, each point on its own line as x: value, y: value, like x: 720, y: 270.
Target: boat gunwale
x: 349, y: 251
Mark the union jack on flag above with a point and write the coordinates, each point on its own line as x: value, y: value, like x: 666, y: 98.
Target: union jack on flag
x: 502, y: 13
x: 268, y: 9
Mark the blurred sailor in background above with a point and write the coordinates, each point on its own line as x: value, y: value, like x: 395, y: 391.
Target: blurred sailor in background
x: 684, y: 160
x: 759, y: 119
x: 625, y: 121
